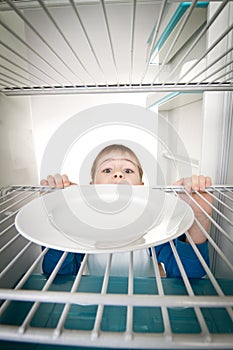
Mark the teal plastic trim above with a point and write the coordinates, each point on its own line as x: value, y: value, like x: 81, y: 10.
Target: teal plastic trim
x: 171, y: 96
x: 173, y: 22
x: 165, y: 99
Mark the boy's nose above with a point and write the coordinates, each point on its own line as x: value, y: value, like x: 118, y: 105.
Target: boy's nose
x: 118, y: 175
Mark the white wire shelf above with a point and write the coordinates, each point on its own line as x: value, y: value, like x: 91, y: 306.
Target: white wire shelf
x: 113, y: 311
x: 110, y: 58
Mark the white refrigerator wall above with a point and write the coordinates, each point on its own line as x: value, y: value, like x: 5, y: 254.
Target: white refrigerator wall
x: 18, y: 164
x: 51, y: 112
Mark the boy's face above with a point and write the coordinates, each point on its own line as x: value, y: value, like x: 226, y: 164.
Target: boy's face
x: 117, y: 167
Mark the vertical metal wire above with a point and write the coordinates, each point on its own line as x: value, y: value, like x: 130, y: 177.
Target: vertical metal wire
x: 184, y: 22
x: 109, y: 38
x: 29, y: 63
x: 14, y: 260
x: 15, y: 73
x: 33, y: 50
x: 209, y: 273
x: 215, y: 43
x: 24, y: 279
x: 149, y: 52
x: 187, y: 284
x: 214, y: 245
x: 21, y: 68
x: 16, y: 211
x: 87, y: 38
x: 62, y: 319
x: 129, y: 320
x: 132, y: 42
x: 13, y: 79
x: 217, y: 60
x: 215, y: 72
x: 29, y: 24
x: 210, y: 218
x: 166, y: 321
x: 99, y: 313
x: 44, y: 7
x: 35, y: 306
x: 8, y: 82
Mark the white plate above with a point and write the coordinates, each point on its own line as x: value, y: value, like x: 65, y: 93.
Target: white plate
x: 104, y: 218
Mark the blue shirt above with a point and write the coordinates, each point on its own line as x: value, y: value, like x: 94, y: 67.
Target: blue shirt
x: 190, y: 261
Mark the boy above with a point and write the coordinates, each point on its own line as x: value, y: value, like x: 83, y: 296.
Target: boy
x: 117, y: 164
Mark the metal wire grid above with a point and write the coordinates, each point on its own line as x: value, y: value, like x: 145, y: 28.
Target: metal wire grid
x: 11, y: 201
x: 30, y: 77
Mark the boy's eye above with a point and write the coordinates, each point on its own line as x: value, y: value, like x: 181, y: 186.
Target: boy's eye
x: 107, y: 170
x: 129, y: 171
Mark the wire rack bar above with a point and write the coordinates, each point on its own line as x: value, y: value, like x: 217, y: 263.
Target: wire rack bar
x: 140, y: 340
x: 32, y: 4
x: 121, y: 88
x: 113, y: 299
x: 179, y: 189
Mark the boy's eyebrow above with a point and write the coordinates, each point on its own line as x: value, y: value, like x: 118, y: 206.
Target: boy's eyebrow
x: 109, y: 159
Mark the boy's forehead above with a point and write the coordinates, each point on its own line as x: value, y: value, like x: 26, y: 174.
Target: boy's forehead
x: 117, y: 155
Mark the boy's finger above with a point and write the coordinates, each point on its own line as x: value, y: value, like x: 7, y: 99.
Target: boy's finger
x: 208, y: 181
x: 187, y: 183
x: 66, y: 181
x: 44, y: 182
x: 202, y: 183
x: 51, y: 181
x: 58, y: 181
x: 195, y: 182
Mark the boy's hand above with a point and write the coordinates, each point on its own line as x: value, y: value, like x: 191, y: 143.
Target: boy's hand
x: 198, y: 183
x: 57, y: 180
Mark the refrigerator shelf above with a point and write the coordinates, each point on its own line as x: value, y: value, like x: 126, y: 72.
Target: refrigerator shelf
x: 112, y: 311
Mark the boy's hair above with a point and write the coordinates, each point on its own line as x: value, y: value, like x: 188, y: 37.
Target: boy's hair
x: 115, y: 147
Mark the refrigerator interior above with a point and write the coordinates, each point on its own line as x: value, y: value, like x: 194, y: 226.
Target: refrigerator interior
x: 59, y: 58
